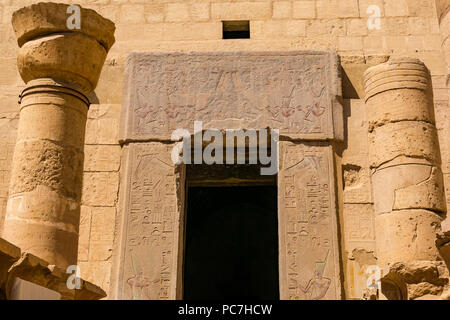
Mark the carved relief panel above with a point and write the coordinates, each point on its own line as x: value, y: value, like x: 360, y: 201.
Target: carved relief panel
x: 295, y: 92
x: 309, y: 253
x: 152, y: 202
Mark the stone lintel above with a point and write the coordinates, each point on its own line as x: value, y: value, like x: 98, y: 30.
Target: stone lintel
x: 297, y: 92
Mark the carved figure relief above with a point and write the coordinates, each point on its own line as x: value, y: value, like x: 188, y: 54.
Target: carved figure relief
x: 308, y: 224
x: 290, y: 91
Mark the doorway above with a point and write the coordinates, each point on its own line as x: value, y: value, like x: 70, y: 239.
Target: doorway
x: 231, y: 245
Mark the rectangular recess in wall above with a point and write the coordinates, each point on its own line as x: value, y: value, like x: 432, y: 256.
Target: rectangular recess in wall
x: 238, y: 29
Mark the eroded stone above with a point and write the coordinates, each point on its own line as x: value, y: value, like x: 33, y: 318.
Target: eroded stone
x: 295, y: 92
x: 407, y: 235
x: 308, y: 244
x: 409, y: 185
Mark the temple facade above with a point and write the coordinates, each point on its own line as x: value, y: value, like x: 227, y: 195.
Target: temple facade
x: 161, y: 150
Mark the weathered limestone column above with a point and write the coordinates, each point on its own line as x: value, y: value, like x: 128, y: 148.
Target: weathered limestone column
x: 405, y: 159
x: 61, y: 67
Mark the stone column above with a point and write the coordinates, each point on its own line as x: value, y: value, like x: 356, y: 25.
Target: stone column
x: 404, y: 155
x: 61, y: 67
x: 443, y: 8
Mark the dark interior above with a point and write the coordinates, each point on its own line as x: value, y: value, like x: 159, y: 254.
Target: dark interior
x: 231, y: 247
x: 236, y: 29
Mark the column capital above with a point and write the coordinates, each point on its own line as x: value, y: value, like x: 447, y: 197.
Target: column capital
x: 397, y: 73
x: 49, y: 49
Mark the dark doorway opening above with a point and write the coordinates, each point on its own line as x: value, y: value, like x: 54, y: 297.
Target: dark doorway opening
x: 231, y: 248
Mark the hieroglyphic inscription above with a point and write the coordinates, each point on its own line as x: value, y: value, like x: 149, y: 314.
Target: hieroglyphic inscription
x: 309, y: 268
x: 290, y: 91
x: 151, y: 224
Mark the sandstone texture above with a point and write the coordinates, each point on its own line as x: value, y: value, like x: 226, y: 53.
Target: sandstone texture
x: 407, y: 180
x: 96, y: 101
x: 61, y: 68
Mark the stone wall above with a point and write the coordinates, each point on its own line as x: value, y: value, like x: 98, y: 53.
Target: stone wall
x: 443, y: 110
x: 408, y: 27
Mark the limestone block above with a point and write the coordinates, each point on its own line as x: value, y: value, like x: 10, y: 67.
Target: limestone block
x: 357, y: 151
x: 442, y: 110
x: 420, y: 8
x: 357, y: 27
x: 177, y: 12
x: 241, y: 10
x: 408, y: 185
x: 409, y: 139
x: 327, y: 9
x: 304, y: 10
x: 182, y: 31
x: 110, y: 12
x: 215, y: 87
x: 407, y: 235
x: 348, y: 8
x: 281, y: 9
x: 4, y: 183
x: 103, y: 124
x: 307, y: 223
x: 102, y: 233
x: 100, y: 188
x: 283, y: 29
x: 131, y: 14
x: 10, y: 96
x: 3, y: 201
x: 295, y: 28
x: 350, y: 43
x: 102, y: 158
x: 200, y: 11
x: 8, y: 133
x: 151, y: 225
x: 359, y: 226
x: 154, y: 12
x: 84, y: 233
x: 110, y: 85
x: 357, y: 184
x: 396, y: 8
x: 97, y: 272
x: 334, y: 28
x: 9, y: 75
